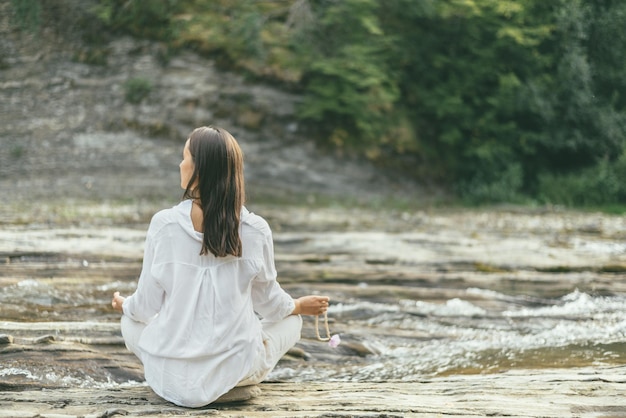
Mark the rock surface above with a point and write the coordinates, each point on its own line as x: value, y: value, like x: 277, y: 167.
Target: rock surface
x: 580, y: 393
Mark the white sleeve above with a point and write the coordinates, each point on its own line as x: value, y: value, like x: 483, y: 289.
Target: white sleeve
x: 146, y: 302
x: 268, y: 298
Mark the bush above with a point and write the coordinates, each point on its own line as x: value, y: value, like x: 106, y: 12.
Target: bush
x: 505, y: 187
x: 143, y: 18
x: 27, y: 14
x: 137, y: 89
x: 599, y: 185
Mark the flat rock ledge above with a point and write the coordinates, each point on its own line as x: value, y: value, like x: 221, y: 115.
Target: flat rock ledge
x: 586, y: 392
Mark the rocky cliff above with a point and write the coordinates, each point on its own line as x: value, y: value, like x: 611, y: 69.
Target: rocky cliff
x: 109, y: 121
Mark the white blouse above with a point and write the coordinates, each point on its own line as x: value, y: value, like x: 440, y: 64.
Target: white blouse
x: 202, y: 335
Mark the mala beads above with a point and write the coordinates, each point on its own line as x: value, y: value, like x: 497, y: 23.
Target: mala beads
x: 333, y: 341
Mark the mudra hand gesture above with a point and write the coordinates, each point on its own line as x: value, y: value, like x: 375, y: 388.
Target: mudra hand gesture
x: 311, y: 305
x: 117, y: 301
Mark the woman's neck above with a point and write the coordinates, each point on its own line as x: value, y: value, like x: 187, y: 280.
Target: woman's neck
x: 197, y: 216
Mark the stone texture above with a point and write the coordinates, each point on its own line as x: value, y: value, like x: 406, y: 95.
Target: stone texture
x: 596, y: 392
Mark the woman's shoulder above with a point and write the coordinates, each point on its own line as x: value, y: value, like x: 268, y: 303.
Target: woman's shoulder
x: 167, y: 216
x: 254, y: 222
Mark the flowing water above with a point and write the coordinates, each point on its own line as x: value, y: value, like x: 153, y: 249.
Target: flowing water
x: 477, y: 331
x: 486, y: 332
x: 408, y: 305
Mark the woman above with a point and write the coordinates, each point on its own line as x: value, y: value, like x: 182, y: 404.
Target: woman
x: 208, y: 273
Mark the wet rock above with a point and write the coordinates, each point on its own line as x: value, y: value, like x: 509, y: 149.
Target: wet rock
x: 44, y: 339
x: 298, y: 352
x: 356, y: 348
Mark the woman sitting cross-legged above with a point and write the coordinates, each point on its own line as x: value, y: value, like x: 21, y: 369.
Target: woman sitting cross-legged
x: 208, y: 274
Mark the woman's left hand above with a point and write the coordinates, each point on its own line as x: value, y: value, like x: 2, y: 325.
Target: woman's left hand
x: 311, y: 305
x: 117, y: 301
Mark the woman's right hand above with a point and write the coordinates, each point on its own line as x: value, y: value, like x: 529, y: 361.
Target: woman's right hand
x: 117, y: 302
x: 311, y: 305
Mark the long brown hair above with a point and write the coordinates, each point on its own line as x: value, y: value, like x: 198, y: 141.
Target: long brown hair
x: 218, y: 170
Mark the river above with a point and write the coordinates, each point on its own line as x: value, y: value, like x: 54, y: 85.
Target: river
x: 435, y: 294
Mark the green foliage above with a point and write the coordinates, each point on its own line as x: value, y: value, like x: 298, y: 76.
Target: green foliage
x: 17, y: 151
x: 593, y: 186
x: 143, y: 18
x: 240, y: 34
x: 500, y: 91
x: 464, y: 66
x: 349, y: 84
x: 27, y: 14
x: 136, y: 89
x: 93, y: 55
x: 353, y: 92
x: 578, y: 127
